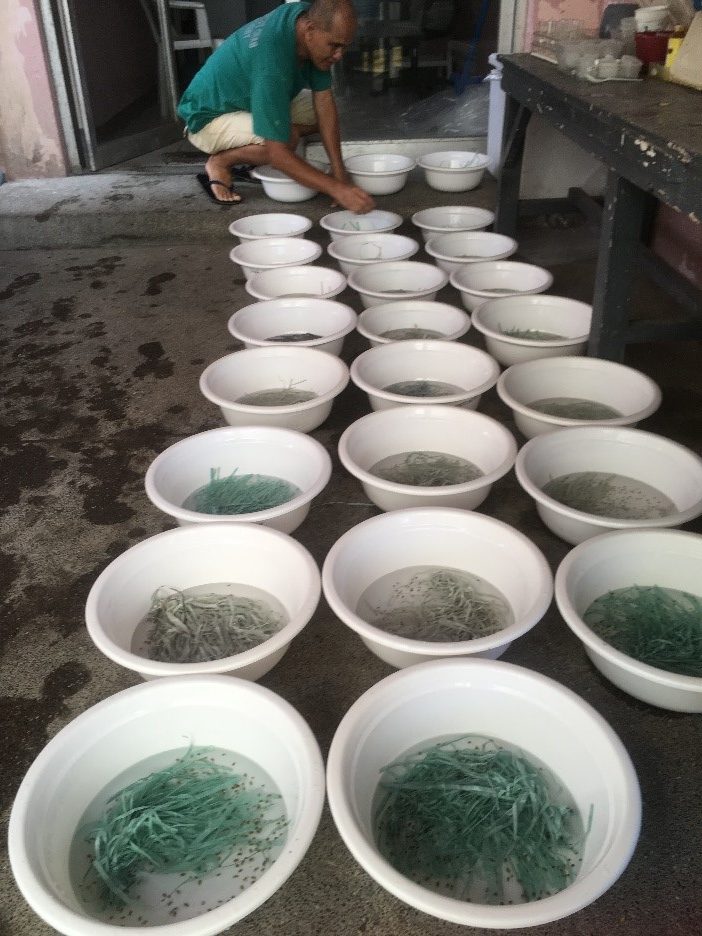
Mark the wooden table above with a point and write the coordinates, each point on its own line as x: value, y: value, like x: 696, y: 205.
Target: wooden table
x: 649, y: 136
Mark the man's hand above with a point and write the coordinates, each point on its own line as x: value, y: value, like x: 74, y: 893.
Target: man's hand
x: 353, y: 198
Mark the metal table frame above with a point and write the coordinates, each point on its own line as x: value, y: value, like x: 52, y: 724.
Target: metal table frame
x: 649, y: 136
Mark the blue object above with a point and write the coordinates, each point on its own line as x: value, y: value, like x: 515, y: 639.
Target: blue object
x: 460, y: 80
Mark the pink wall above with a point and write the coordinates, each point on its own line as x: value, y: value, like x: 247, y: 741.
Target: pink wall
x: 590, y: 11
x: 30, y: 138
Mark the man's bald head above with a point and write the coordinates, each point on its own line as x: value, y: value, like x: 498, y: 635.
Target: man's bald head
x: 324, y: 13
x: 326, y: 30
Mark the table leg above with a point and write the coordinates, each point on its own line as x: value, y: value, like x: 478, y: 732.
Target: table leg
x: 627, y: 212
x: 509, y: 179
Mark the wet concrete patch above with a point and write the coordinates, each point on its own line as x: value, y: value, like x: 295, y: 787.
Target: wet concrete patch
x: 154, y: 284
x: 18, y: 283
x: 156, y: 364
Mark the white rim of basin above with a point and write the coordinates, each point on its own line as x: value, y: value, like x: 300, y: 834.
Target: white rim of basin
x: 440, y: 245
x: 613, y: 434
x: 249, y: 436
x: 378, y: 221
x: 307, y: 252
x: 292, y: 303
x: 465, y: 160
x: 429, y: 345
x: 349, y: 249
x: 409, y: 307
x: 606, y: 368
x: 330, y: 361
x: 446, y: 517
x: 440, y: 278
x: 334, y: 281
x: 363, y: 164
x: 474, y: 218
x: 238, y: 228
x: 543, y: 276
x: 271, y: 174
x: 535, y: 300
x: 574, y: 619
x: 472, y: 419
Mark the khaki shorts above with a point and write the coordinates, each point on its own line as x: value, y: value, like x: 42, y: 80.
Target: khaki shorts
x: 230, y: 131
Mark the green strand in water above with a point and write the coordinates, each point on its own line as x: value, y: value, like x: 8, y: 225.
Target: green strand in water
x: 240, y: 494
x: 423, y: 388
x: 197, y: 628
x: 187, y: 818
x: 530, y: 334
x: 426, y: 469
x: 473, y: 819
x: 442, y: 606
x: 295, y: 336
x: 658, y: 626
x: 277, y: 396
x: 404, y: 334
x: 605, y: 494
x: 574, y: 408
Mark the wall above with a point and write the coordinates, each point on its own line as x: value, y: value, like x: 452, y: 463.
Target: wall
x: 30, y: 140
x: 225, y: 16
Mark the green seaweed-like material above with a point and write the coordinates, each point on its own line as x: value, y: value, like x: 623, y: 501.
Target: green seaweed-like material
x: 240, y: 493
x: 474, y: 818
x: 658, y: 626
x: 196, y: 628
x: 187, y: 818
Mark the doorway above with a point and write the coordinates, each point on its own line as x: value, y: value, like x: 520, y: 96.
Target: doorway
x: 116, y: 65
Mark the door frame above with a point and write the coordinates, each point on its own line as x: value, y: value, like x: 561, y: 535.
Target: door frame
x: 83, y: 151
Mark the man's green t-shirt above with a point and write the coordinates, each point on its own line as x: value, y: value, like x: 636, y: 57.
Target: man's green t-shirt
x: 257, y: 70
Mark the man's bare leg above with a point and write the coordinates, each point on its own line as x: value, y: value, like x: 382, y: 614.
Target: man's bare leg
x: 218, y: 166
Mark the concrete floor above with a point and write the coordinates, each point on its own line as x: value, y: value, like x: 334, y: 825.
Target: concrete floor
x: 114, y: 293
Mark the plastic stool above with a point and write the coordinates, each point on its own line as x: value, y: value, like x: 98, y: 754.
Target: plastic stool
x: 203, y: 37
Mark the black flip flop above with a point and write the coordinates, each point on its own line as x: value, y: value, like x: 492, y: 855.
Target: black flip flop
x: 243, y: 174
x: 208, y: 183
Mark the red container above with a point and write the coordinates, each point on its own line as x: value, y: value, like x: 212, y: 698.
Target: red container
x: 652, y: 46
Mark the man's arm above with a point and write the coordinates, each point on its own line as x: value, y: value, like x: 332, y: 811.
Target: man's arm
x: 328, y: 122
x: 346, y: 194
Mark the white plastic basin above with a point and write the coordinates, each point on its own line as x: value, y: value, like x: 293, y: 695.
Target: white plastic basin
x: 340, y: 224
x: 272, y: 253
x: 443, y: 219
x: 260, y: 322
x: 457, y: 539
x: 449, y: 321
x: 672, y: 469
x: 491, y: 279
x: 268, y: 450
x: 454, y: 170
x: 245, y: 554
x: 625, y: 389
x: 380, y: 173
x: 666, y: 558
x: 453, y: 251
x: 360, y: 250
x: 409, y: 709
x: 255, y: 227
x: 230, y: 378
x: 281, y: 187
x: 547, y: 314
x: 453, y: 431
x: 310, y: 280
x: 384, y: 282
x: 448, y: 362
x: 257, y: 324
x: 122, y: 731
